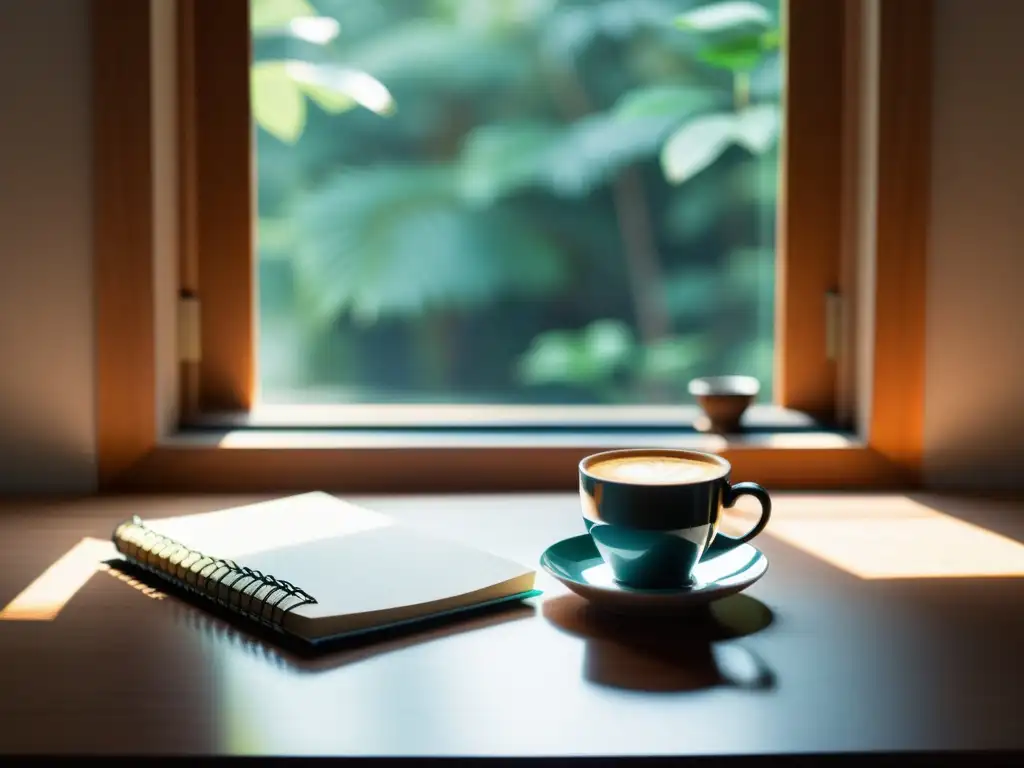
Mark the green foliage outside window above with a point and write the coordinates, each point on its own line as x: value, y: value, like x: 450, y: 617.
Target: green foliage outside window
x: 557, y: 201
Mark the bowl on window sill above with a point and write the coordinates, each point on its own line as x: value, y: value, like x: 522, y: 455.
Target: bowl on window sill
x: 723, y: 399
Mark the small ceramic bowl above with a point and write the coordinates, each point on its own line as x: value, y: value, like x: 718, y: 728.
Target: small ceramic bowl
x: 724, y: 399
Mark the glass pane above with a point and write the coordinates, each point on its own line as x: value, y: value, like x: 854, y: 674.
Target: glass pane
x: 514, y: 201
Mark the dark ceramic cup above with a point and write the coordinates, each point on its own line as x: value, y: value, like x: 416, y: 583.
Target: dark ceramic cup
x: 652, y: 535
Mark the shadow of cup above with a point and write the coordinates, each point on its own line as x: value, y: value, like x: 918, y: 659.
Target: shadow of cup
x: 661, y: 654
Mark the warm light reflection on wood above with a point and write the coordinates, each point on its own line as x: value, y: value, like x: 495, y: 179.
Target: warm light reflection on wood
x: 132, y: 582
x: 446, y: 414
x: 820, y: 440
x: 44, y: 598
x: 891, y: 538
x: 340, y: 439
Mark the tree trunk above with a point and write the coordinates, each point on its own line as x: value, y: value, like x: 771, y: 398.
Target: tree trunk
x: 643, y: 267
x: 646, y: 280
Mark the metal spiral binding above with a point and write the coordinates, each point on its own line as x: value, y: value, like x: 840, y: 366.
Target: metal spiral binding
x: 244, y: 590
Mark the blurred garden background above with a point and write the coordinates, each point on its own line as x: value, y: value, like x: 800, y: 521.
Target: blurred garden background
x: 514, y: 201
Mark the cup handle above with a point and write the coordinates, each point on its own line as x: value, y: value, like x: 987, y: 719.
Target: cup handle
x: 729, y: 496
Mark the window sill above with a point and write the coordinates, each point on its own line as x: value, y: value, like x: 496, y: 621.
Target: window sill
x: 444, y: 416
x: 779, y: 449
x: 492, y: 439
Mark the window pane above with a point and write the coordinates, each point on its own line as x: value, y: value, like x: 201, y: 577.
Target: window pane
x: 514, y: 201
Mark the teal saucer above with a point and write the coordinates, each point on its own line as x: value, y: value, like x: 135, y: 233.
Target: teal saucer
x: 576, y: 563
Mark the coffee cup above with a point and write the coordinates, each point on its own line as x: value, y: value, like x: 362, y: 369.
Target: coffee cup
x: 653, y: 513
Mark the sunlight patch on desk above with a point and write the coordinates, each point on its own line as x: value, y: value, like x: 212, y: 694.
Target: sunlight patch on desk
x: 897, y: 539
x: 43, y: 599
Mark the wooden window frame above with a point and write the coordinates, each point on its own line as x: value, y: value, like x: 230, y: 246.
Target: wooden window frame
x: 832, y: 213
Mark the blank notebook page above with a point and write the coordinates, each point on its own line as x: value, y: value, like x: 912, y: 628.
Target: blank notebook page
x: 352, y: 560
x: 382, y: 569
x: 239, y: 531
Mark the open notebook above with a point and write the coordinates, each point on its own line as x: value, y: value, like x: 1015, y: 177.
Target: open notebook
x: 318, y: 568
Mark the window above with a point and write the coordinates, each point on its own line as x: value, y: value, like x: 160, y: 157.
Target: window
x: 515, y: 203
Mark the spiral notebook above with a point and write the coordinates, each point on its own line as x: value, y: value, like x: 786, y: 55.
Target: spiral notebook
x: 317, y: 568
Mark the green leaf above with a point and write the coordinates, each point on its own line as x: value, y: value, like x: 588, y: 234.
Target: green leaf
x: 292, y: 18
x: 666, y: 100
x: 608, y: 342
x: 734, y: 35
x: 591, y: 356
x: 739, y: 55
x: 771, y: 40
x: 500, y: 159
x: 397, y: 241
x: 696, y: 145
x: 757, y: 127
x: 724, y: 17
x: 279, y: 87
x: 570, y: 161
x: 275, y: 14
x: 701, y: 141
x: 553, y: 358
x: 330, y: 84
x: 429, y: 52
x: 330, y: 100
x: 277, y: 103
x: 319, y: 30
x: 593, y: 150
x: 672, y: 358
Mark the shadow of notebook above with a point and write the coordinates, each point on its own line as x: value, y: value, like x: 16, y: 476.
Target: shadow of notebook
x: 286, y: 651
x: 319, y: 569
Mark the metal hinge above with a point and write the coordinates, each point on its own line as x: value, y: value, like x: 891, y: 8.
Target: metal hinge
x: 189, y: 346
x: 833, y: 324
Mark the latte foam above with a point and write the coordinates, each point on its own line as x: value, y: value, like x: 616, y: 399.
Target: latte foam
x: 654, y: 470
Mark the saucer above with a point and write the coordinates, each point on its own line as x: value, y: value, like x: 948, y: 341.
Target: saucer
x: 576, y: 563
